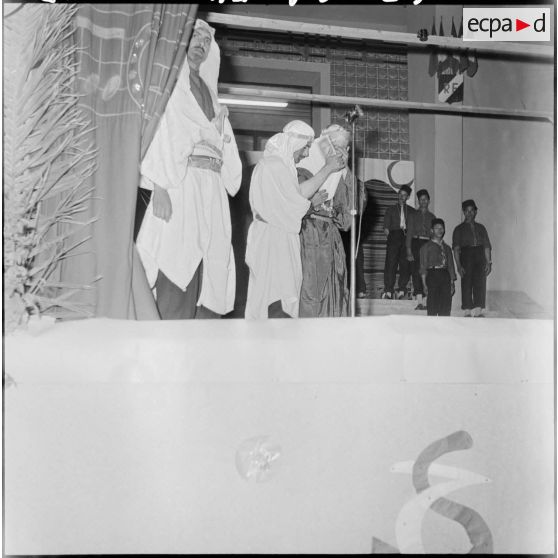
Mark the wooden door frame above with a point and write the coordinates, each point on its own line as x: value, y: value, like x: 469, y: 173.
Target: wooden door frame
x: 250, y: 69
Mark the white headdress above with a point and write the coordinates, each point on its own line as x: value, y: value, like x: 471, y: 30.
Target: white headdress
x: 209, y: 68
x: 295, y: 135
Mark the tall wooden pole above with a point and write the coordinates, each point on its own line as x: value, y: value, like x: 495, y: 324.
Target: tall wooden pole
x: 436, y: 108
x: 510, y: 49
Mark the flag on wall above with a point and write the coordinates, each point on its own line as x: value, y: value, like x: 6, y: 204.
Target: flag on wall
x: 450, y: 76
x: 382, y: 178
x: 450, y: 80
x: 392, y: 173
x: 450, y: 68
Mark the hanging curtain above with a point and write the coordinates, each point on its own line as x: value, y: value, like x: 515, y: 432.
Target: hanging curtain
x: 128, y: 63
x: 159, y: 52
x: 170, y: 35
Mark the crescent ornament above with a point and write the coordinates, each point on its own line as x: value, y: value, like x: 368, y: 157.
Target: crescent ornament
x: 394, y: 184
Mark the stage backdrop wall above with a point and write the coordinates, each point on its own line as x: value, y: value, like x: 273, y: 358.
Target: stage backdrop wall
x: 505, y: 165
x: 309, y: 436
x: 508, y: 168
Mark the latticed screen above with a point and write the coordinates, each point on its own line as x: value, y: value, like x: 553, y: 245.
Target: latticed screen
x: 380, y: 134
x: 362, y: 70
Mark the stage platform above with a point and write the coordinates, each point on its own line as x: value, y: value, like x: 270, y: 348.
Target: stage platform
x: 282, y: 436
x: 500, y: 304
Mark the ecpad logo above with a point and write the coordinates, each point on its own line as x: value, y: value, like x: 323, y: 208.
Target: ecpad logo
x: 493, y: 25
x: 506, y: 24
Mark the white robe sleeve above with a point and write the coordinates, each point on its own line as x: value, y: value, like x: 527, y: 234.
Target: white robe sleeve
x: 275, y: 197
x: 231, y: 171
x: 166, y: 160
x: 314, y: 163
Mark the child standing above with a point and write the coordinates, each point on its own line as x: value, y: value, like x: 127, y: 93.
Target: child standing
x: 437, y: 270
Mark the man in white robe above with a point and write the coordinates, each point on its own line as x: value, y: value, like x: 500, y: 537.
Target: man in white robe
x: 278, y: 205
x: 193, y: 162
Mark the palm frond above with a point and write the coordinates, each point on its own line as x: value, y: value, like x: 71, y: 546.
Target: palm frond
x: 48, y: 160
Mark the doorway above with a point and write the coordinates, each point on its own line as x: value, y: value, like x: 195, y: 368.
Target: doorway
x: 253, y: 126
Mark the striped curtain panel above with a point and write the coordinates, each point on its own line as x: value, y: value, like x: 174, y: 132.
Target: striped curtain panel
x: 128, y: 62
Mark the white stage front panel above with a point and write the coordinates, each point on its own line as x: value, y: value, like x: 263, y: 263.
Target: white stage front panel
x: 305, y: 436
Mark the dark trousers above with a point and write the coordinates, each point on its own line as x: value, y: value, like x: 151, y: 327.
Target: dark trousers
x: 473, y: 281
x: 438, y: 282
x: 416, y: 245
x: 275, y: 310
x: 175, y: 304
x: 396, y: 256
